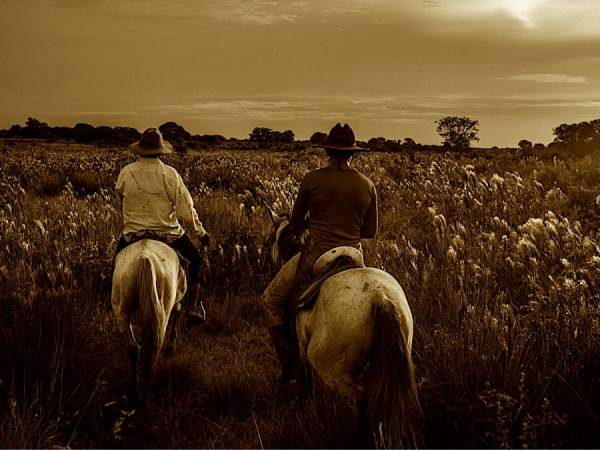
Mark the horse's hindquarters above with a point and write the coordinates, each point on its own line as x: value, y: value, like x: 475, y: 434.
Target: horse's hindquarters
x: 337, y: 334
x: 169, y: 276
x: 362, y: 315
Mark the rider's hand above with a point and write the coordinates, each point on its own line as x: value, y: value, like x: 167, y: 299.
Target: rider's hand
x: 205, y: 240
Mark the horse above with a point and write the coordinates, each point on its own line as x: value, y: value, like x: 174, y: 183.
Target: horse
x: 357, y: 338
x: 148, y: 282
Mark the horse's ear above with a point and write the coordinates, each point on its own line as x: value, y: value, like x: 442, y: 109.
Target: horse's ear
x: 273, y: 215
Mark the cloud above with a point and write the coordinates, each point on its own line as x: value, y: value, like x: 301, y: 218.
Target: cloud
x: 254, y: 12
x: 366, y: 107
x: 547, y: 78
x: 339, y: 11
x: 102, y: 113
x: 299, y: 4
x: 550, y: 19
x: 562, y: 104
x: 257, y: 12
x: 275, y: 109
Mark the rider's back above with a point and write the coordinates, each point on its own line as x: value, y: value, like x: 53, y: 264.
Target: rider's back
x: 340, y: 203
x: 149, y: 190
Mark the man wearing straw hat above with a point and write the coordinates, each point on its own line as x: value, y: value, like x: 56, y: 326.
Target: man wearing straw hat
x: 337, y: 205
x: 154, y: 199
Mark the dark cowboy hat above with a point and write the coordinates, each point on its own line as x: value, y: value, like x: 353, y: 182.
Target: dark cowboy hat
x: 151, y: 143
x: 341, y: 138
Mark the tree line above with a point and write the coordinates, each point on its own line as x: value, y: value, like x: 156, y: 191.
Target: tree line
x: 88, y: 134
x: 457, y: 134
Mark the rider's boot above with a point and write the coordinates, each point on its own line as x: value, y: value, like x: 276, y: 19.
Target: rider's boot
x: 287, y: 353
x: 193, y: 313
x: 282, y: 348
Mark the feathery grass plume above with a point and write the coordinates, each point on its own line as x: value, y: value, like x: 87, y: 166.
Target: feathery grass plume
x: 506, y: 335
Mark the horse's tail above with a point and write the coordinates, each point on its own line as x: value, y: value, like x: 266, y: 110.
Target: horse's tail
x: 150, y: 310
x: 392, y: 404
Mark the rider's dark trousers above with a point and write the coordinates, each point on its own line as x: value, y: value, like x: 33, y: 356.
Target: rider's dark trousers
x: 277, y: 295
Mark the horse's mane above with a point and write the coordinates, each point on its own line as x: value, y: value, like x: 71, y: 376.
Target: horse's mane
x: 283, y: 240
x: 288, y: 242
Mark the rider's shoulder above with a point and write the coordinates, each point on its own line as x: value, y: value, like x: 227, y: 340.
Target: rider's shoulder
x: 171, y: 170
x: 315, y: 174
x: 362, y: 176
x: 127, y: 168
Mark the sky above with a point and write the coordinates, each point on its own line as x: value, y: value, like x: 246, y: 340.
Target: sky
x: 387, y: 67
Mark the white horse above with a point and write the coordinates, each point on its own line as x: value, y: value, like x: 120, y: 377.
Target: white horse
x: 358, y: 339
x: 148, y: 281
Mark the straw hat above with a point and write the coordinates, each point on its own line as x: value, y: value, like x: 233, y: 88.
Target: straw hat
x: 151, y: 143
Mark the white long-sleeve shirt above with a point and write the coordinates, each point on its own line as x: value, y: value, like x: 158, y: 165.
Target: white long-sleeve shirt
x: 154, y: 197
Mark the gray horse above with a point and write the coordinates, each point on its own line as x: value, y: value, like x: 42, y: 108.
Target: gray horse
x: 361, y: 324
x: 148, y: 282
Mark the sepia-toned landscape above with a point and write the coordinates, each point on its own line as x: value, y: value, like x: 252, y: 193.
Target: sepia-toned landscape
x: 497, y: 252
x: 399, y: 243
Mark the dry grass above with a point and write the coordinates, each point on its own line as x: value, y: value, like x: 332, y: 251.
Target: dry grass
x: 498, y: 258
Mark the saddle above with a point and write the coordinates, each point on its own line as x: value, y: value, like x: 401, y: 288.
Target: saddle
x: 149, y: 234
x: 330, y: 263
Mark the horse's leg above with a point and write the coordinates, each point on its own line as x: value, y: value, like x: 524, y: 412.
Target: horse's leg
x: 339, y: 374
x: 174, y: 323
x: 337, y: 371
x: 344, y: 381
x: 363, y: 424
x: 133, y: 350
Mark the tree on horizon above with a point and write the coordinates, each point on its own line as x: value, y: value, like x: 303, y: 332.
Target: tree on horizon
x: 457, y: 132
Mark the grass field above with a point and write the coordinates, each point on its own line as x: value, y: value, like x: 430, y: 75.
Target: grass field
x: 498, y: 257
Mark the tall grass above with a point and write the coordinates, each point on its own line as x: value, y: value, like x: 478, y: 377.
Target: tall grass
x: 499, y: 259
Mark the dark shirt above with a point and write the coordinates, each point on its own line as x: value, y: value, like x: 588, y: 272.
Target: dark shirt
x: 338, y: 206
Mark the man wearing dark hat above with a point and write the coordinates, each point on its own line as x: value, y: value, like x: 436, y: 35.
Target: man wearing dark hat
x: 154, y: 197
x: 338, y: 206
